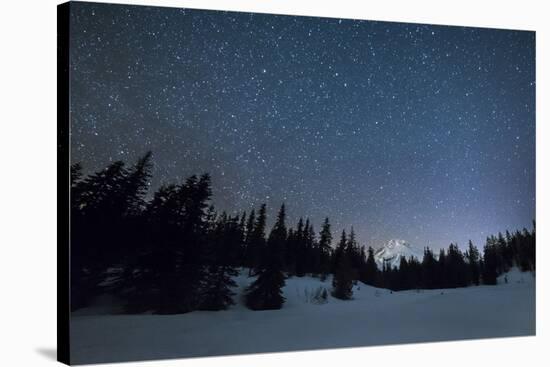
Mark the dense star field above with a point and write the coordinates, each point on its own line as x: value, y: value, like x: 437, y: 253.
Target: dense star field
x: 420, y: 132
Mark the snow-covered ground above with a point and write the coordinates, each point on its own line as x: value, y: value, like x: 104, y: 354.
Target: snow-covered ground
x: 374, y: 317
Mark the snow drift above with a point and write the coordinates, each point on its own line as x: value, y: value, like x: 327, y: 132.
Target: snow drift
x: 373, y: 317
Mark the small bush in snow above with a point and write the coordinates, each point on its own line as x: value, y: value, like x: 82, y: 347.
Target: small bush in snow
x: 320, y: 296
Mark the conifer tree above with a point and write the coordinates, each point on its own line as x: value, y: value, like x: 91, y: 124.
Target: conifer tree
x: 490, y: 260
x: 265, y: 293
x: 501, y: 254
x: 218, y: 281
x: 137, y: 184
x: 98, y: 210
x: 530, y: 251
x: 402, y: 280
x: 300, y: 249
x: 156, y: 262
x: 306, y: 248
x: 239, y: 259
x: 508, y: 251
x: 415, y: 273
x: 290, y: 253
x: 473, y: 262
x: 132, y: 230
x: 452, y: 267
x: 429, y: 270
x: 339, y: 251
x: 194, y: 196
x: 442, y: 273
x: 351, y: 247
x: 76, y: 177
x: 248, y: 257
x: 370, y: 270
x: 342, y: 283
x: 325, y: 241
x: 257, y: 241
x: 168, y: 275
x: 312, y: 253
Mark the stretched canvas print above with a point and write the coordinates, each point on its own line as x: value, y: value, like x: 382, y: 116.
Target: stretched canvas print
x: 234, y: 183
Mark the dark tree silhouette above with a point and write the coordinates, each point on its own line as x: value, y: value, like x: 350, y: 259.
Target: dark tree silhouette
x: 369, y: 273
x: 429, y: 270
x: 168, y: 274
x: 265, y: 293
x: 248, y: 256
x: 473, y: 263
x: 173, y: 253
x: 490, y: 266
x: 300, y: 248
x: 325, y: 243
x: 257, y: 241
x: 339, y: 251
x: 342, y: 283
x: 102, y: 216
x: 224, y: 240
x: 291, y: 253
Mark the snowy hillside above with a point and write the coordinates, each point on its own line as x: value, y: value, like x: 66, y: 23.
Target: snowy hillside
x: 393, y: 251
x: 373, y: 317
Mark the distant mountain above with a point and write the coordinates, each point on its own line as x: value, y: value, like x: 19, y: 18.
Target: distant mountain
x: 392, y: 252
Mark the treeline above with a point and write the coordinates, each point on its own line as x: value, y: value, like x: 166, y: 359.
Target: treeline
x: 174, y: 253
x: 454, y: 268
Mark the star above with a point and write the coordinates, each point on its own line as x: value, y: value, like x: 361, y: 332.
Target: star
x: 423, y: 130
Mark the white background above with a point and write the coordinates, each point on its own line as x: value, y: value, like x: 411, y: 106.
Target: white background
x: 28, y: 182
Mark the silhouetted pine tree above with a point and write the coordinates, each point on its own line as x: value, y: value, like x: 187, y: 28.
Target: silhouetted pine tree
x: 133, y: 229
x: 248, y: 257
x: 218, y: 281
x: 508, y: 251
x: 81, y: 285
x: 325, y: 242
x: 442, y: 272
x: 490, y: 259
x: 307, y: 248
x: 190, y: 271
x: 354, y: 254
x: 455, y: 268
x: 339, y: 251
x: 257, y: 241
x: 530, y: 248
x: 239, y: 258
x: 342, y: 283
x: 501, y: 254
x: 473, y: 263
x: 158, y: 261
x: 290, y: 253
x: 137, y: 184
x: 429, y: 270
x: 300, y: 249
x: 265, y: 293
x: 403, y: 275
x: 415, y: 273
x: 98, y: 219
x: 76, y: 179
x: 312, y: 253
x: 526, y: 251
x: 369, y: 275
x: 169, y: 274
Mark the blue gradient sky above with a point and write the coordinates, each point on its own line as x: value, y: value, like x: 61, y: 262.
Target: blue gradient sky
x: 419, y: 132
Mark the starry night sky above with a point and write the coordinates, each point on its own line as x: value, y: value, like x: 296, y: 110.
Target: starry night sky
x: 419, y: 132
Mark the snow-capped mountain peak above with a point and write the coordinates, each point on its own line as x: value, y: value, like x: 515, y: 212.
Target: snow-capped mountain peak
x: 392, y: 252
